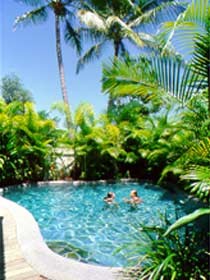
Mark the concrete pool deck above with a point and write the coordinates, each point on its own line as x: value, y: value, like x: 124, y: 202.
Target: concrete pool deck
x: 25, y: 256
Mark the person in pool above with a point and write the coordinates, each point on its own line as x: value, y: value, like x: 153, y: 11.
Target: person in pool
x: 110, y: 198
x: 134, y: 198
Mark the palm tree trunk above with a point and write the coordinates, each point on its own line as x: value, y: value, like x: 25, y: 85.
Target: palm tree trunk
x: 61, y: 72
x: 116, y: 48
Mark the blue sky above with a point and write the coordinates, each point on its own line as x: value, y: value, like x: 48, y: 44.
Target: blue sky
x: 30, y: 53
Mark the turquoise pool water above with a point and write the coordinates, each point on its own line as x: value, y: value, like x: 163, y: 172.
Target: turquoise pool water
x: 76, y: 218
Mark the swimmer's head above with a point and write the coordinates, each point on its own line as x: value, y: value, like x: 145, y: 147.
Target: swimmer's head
x: 110, y: 195
x: 134, y: 193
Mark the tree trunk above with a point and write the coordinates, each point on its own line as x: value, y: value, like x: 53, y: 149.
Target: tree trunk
x: 116, y: 48
x: 61, y: 73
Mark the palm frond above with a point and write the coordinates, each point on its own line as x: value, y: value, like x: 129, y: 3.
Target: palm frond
x: 130, y: 3
x: 92, y: 35
x: 163, y: 74
x: 155, y: 16
x: 200, y: 151
x: 124, y: 78
x: 201, y: 57
x: 72, y: 36
x: 38, y: 15
x: 187, y: 25
x: 91, y: 19
x: 198, y: 173
x: 68, y: 13
x: 127, y: 31
x: 193, y: 167
x: 148, y: 40
x: 93, y: 53
x: 84, y: 117
x: 181, y: 37
x: 90, y: 6
x: 200, y: 181
x: 177, y: 78
x: 32, y: 2
x: 197, y: 12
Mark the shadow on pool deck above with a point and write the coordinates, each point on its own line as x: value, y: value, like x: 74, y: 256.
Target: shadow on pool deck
x: 2, y: 263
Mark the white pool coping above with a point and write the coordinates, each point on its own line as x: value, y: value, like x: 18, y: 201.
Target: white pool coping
x: 44, y: 260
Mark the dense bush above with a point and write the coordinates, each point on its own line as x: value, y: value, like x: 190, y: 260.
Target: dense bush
x: 28, y: 141
x: 159, y: 146
x: 181, y: 254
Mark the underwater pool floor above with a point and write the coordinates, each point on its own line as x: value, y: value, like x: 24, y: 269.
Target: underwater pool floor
x: 76, y: 223
x: 29, y: 258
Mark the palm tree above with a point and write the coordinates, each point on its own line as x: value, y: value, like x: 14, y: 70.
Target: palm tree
x: 166, y: 73
x: 184, y: 81
x: 114, y: 21
x: 62, y: 13
x: 190, y: 34
x: 148, y: 76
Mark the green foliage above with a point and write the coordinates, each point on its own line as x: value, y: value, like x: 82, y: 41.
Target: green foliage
x: 146, y: 77
x: 169, y: 146
x: 181, y: 254
x: 116, y: 21
x: 13, y: 90
x: 187, y: 219
x: 84, y: 118
x: 129, y: 78
x: 97, y: 147
x: 147, y: 134
x: 191, y: 33
x: 181, y: 34
x: 27, y: 144
x: 200, y: 181
x: 192, y: 165
x: 159, y: 146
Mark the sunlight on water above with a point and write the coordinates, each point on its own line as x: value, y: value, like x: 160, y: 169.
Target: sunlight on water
x: 76, y: 222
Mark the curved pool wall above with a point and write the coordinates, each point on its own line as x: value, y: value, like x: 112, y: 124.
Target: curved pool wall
x: 76, y: 223
x: 153, y: 203
x: 45, y: 261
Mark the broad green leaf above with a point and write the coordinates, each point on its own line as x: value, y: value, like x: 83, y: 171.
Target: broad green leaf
x: 188, y: 219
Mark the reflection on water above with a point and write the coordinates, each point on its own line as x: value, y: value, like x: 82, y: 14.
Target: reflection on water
x: 76, y: 222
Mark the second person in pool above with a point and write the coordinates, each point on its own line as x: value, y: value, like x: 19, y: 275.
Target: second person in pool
x: 134, y: 198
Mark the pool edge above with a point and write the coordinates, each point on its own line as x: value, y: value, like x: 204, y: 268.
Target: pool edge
x: 44, y: 260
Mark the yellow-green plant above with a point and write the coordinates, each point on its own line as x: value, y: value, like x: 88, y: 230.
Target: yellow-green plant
x: 27, y: 144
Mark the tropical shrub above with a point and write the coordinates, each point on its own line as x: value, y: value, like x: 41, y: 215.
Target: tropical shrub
x: 27, y: 144
x: 181, y: 254
x: 97, y: 146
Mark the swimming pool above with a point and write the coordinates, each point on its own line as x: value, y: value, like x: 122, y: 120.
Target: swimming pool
x: 75, y: 222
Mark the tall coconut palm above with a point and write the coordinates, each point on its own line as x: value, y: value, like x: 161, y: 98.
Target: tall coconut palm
x: 63, y: 11
x: 114, y: 21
